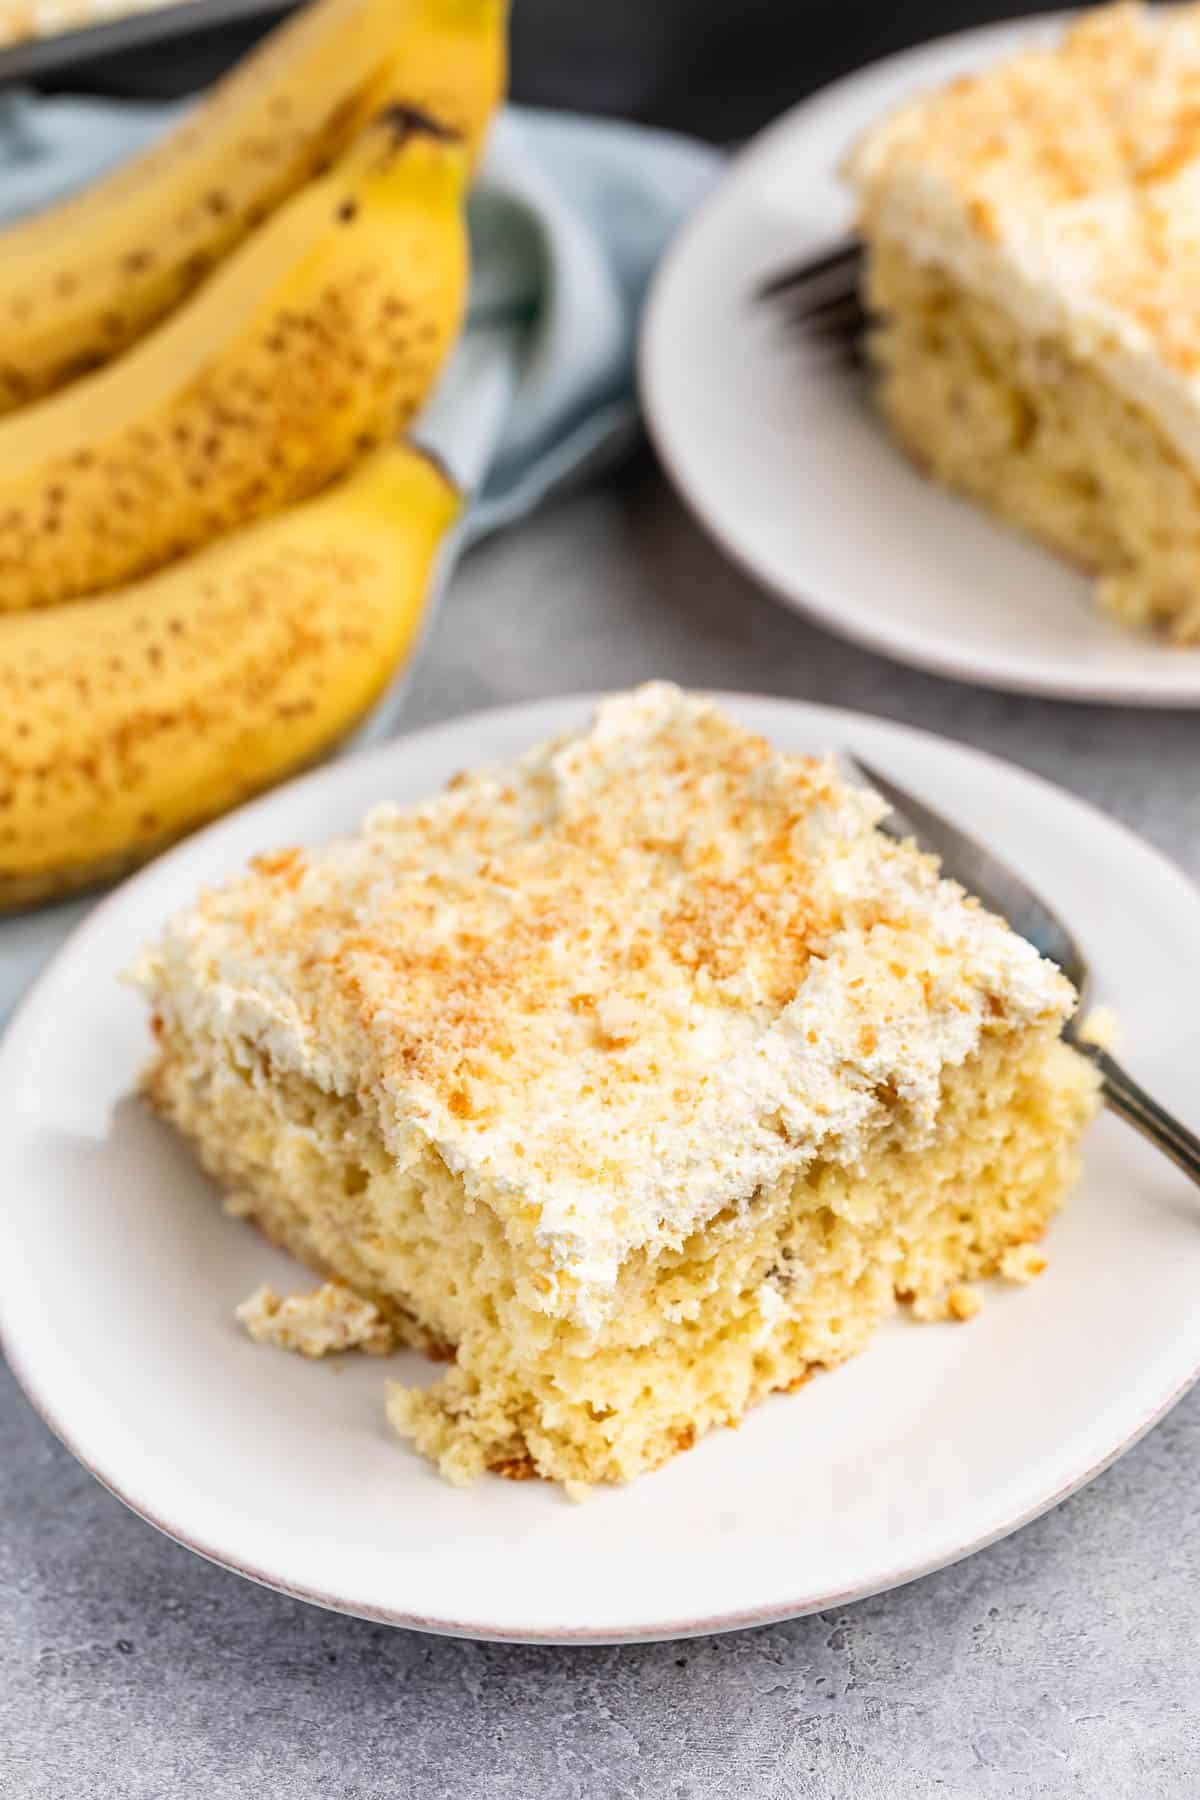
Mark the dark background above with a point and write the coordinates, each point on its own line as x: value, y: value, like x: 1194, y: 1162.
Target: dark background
x: 719, y: 68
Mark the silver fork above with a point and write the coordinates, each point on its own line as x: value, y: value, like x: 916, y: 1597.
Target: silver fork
x: 822, y: 299
x: 1002, y: 891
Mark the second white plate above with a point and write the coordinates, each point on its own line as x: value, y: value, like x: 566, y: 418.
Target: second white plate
x: 120, y: 1274
x: 789, y: 469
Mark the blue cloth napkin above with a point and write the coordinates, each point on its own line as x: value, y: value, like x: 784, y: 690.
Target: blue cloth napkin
x: 568, y: 218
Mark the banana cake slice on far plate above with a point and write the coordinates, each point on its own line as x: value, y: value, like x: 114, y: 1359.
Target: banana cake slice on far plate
x: 637, y: 1079
x: 1034, y: 263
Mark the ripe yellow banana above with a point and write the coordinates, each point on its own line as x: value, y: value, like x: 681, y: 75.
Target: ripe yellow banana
x: 318, y: 338
x: 82, y: 281
x: 131, y: 718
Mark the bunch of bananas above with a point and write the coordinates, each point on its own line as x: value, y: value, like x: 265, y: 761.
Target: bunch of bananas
x: 214, y: 545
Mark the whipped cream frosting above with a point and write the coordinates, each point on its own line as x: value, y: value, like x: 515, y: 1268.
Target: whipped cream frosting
x: 1064, y: 187
x: 618, y: 985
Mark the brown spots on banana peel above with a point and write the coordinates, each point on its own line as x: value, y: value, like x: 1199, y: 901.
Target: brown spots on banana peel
x: 148, y: 234
x: 405, y: 122
x: 341, y: 359
x: 128, y: 719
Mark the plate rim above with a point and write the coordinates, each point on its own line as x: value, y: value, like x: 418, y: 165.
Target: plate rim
x: 1173, y: 690
x: 540, y: 714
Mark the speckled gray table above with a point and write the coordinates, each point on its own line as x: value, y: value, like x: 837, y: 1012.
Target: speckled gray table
x: 1061, y: 1662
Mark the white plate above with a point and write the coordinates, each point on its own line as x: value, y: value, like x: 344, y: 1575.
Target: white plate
x: 789, y: 469
x: 120, y: 1274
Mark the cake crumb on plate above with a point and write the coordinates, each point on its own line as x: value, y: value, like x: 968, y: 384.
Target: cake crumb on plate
x: 330, y: 1318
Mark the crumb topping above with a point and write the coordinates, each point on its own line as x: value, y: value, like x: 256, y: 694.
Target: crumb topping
x: 618, y: 984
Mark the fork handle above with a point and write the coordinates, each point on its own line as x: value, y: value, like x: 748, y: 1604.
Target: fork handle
x: 1133, y: 1104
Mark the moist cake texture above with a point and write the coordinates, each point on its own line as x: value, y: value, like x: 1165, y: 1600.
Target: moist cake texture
x: 1034, y: 263
x: 636, y: 1078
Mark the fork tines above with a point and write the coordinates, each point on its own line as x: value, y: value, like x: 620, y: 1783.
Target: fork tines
x: 821, y: 298
x: 838, y: 268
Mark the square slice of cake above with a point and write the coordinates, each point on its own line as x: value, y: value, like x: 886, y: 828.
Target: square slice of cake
x: 1034, y: 263
x: 636, y: 1079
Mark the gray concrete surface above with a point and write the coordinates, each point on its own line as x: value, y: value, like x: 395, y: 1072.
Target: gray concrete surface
x: 1060, y: 1663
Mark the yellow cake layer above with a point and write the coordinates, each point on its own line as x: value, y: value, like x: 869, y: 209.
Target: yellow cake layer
x: 1022, y: 426
x: 797, y: 1277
